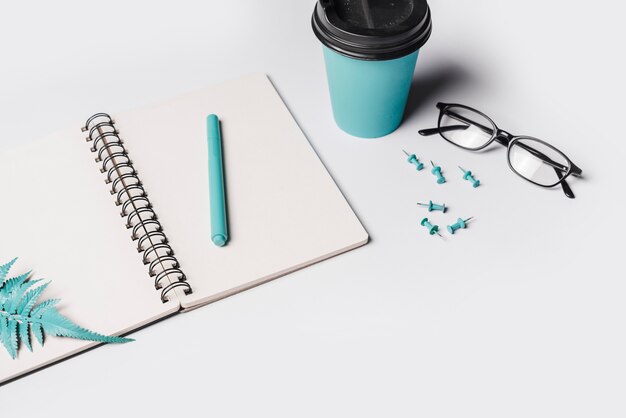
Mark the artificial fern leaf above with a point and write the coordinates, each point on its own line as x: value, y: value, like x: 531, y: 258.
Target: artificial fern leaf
x: 54, y: 323
x: 46, y: 304
x: 24, y: 335
x: 29, y: 299
x: 10, y: 288
x: 12, y: 337
x: 4, y: 269
x: 37, y: 332
x: 5, y: 334
x: 15, y: 294
x: 20, y: 315
x: 13, y: 283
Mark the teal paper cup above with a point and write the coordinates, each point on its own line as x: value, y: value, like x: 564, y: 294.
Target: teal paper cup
x: 368, y: 97
x: 370, y: 50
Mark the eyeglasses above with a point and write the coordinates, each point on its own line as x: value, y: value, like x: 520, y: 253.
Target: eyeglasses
x: 530, y: 158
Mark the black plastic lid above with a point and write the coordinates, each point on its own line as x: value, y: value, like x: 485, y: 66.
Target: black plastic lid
x: 372, y: 29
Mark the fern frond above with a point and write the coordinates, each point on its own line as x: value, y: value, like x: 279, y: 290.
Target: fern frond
x: 8, y: 335
x: 20, y: 315
x: 29, y: 299
x: 54, y: 323
x: 37, y: 330
x: 24, y: 335
x: 46, y: 304
x: 10, y: 287
x: 4, y: 270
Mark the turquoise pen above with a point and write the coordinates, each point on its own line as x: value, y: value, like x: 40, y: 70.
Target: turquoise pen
x: 217, y: 197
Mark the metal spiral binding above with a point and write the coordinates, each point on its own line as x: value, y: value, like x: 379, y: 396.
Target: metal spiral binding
x: 130, y: 195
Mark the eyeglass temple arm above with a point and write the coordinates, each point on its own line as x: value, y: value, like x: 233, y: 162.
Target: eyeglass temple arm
x: 566, y: 189
x: 576, y: 171
x: 453, y: 115
x: 467, y: 122
x: 433, y: 131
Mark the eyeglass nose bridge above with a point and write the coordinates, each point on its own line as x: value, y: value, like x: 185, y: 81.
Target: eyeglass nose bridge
x: 503, y: 137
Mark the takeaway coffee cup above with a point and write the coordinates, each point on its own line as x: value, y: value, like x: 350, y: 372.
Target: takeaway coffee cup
x: 370, y: 49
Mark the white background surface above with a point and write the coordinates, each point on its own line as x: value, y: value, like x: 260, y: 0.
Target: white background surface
x: 520, y: 315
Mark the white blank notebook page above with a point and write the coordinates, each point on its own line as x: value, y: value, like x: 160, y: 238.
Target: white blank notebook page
x: 61, y: 221
x: 284, y: 209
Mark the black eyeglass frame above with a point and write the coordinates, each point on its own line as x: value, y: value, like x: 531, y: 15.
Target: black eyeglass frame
x: 508, y: 140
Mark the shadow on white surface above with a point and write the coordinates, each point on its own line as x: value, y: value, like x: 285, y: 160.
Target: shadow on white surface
x: 429, y: 84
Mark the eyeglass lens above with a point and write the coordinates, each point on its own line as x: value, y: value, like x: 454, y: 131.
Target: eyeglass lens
x: 466, y: 128
x: 538, y: 162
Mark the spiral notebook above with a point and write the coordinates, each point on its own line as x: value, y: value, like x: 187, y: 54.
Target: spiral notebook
x: 116, y: 214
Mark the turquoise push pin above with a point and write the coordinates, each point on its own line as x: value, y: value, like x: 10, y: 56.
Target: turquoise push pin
x: 432, y: 229
x: 433, y: 206
x: 460, y: 224
x: 413, y: 160
x: 437, y: 172
x: 467, y: 175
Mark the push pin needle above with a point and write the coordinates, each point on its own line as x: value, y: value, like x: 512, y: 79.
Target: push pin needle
x: 414, y: 160
x: 467, y: 175
x: 434, y: 206
x: 432, y: 229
